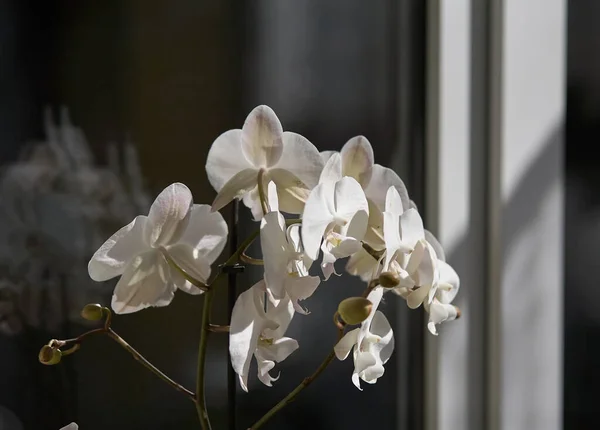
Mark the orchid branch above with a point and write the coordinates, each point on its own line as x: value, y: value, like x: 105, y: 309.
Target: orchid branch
x: 144, y: 362
x: 305, y: 383
x: 206, y: 329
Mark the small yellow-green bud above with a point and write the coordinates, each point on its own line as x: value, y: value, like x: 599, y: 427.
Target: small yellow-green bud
x: 92, y: 312
x: 354, y: 310
x: 49, y: 355
x: 388, y: 280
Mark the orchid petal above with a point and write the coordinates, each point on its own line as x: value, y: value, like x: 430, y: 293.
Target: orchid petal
x: 301, y: 158
x: 358, y: 159
x: 374, y: 234
x: 279, y: 350
x: 380, y: 326
x: 291, y: 191
x: 168, y: 215
x: 252, y: 201
x: 326, y: 155
x: 248, y: 320
x: 276, y: 252
x: 262, y: 137
x: 225, y: 159
x: 449, y: 277
x: 332, y: 170
x: 301, y: 289
x: 349, y: 199
x: 362, y: 264
x: 206, y: 233
x: 411, y: 227
x: 382, y: 178
x: 264, y: 366
x: 316, y: 217
x: 190, y: 261
x: 144, y: 283
x: 272, y: 199
x: 393, y: 202
x: 439, y: 313
x: 112, y: 257
x: 435, y: 244
x: 362, y: 361
x: 280, y: 316
x: 344, y: 346
x: 240, y: 184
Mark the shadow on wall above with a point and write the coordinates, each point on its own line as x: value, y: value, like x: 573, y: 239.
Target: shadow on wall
x: 528, y: 219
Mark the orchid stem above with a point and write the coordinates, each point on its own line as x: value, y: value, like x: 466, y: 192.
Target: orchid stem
x: 305, y: 383
x: 202, y: 348
x: 206, y: 329
x: 261, y: 192
x: 140, y: 358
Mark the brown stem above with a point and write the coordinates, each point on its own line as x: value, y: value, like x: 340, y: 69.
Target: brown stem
x: 305, y: 383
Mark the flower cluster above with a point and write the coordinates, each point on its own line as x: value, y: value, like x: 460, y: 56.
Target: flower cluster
x: 345, y: 206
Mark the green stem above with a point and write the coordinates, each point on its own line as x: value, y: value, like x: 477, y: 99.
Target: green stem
x: 140, y: 358
x: 206, y: 329
x: 261, y: 192
x: 202, y: 349
x: 305, y: 383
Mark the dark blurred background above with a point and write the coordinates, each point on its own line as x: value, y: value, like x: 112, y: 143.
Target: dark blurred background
x: 103, y: 105
x: 148, y: 88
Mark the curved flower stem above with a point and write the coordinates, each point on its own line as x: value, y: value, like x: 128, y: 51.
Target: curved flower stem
x: 195, y: 282
x: 261, y: 192
x: 140, y: 358
x: 305, y: 383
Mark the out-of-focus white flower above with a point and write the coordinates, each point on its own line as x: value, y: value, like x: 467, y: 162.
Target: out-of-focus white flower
x: 337, y: 212
x: 286, y: 265
x: 373, y: 344
x: 261, y: 148
x: 71, y: 426
x: 191, y: 235
x: 440, y: 309
x: 254, y: 332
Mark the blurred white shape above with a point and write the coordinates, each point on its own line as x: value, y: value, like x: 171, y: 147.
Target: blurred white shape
x: 57, y: 205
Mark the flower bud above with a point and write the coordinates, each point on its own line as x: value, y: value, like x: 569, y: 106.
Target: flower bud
x: 354, y: 310
x: 458, y: 312
x: 388, y: 280
x: 92, y: 312
x: 49, y: 355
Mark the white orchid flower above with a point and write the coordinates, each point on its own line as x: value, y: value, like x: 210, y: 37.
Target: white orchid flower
x: 373, y: 344
x: 71, y: 426
x: 286, y: 266
x: 441, y: 310
x: 337, y: 212
x: 254, y: 332
x: 261, y: 149
x: 191, y: 235
x: 356, y: 160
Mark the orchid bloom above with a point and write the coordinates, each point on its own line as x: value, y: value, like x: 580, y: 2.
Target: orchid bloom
x: 356, y: 160
x: 176, y: 230
x: 440, y: 309
x: 260, y: 152
x: 286, y: 266
x: 71, y: 426
x: 337, y: 212
x: 373, y: 344
x: 254, y: 332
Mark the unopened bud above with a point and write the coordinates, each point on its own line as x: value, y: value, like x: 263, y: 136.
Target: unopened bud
x: 354, y: 310
x: 92, y: 312
x: 388, y: 280
x: 49, y: 355
x: 458, y: 312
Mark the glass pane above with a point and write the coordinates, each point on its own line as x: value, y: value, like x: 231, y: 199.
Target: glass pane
x: 103, y: 106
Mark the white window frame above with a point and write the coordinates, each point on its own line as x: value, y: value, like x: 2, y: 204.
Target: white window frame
x: 495, y: 198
